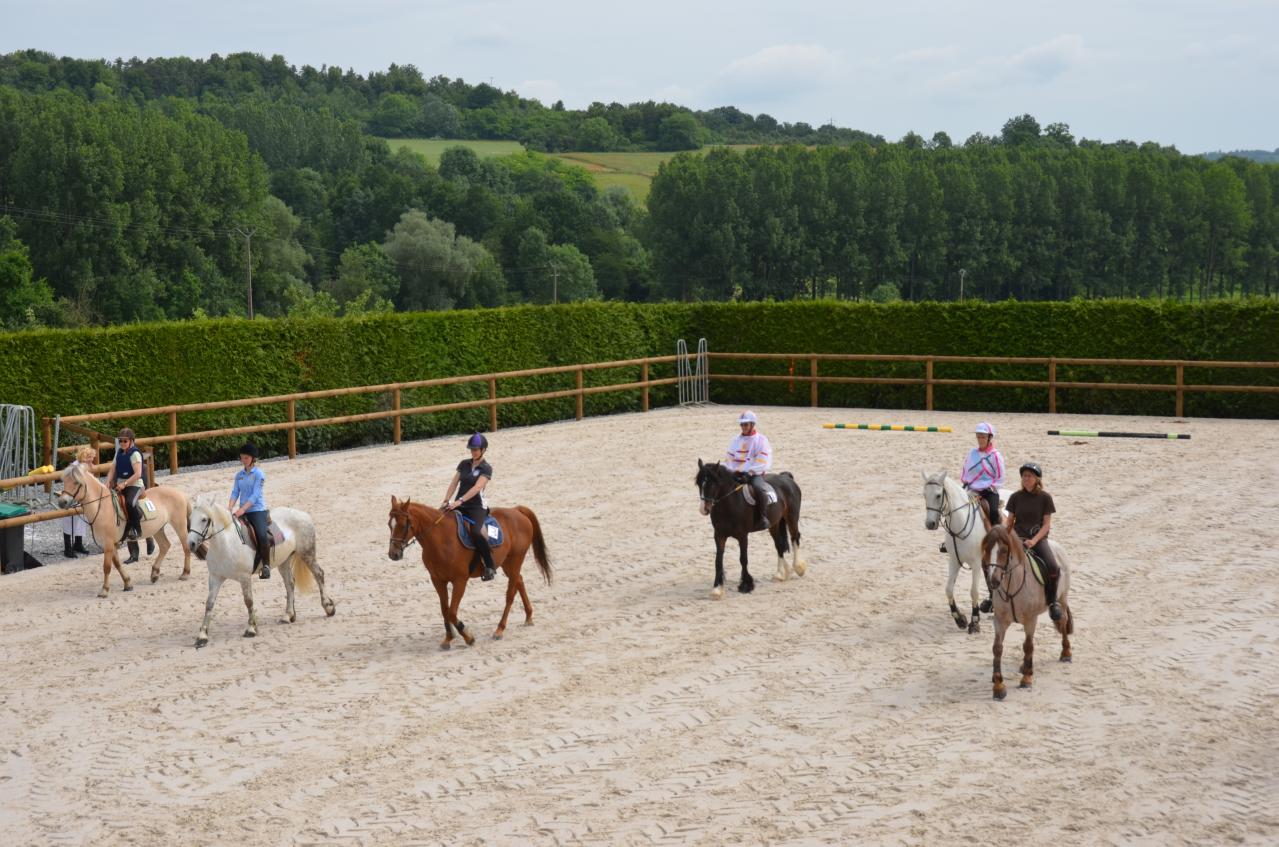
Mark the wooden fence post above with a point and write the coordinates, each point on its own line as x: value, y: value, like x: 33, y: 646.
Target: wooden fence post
x: 812, y: 390
x: 928, y: 384
x: 50, y: 451
x: 395, y: 404
x: 293, y: 432
x: 492, y: 404
x: 1181, y: 391
x: 173, y: 445
x: 579, y: 394
x: 1052, y: 385
x: 644, y: 390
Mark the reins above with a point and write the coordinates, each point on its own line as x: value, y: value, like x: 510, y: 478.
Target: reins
x: 411, y: 537
x: 943, y: 516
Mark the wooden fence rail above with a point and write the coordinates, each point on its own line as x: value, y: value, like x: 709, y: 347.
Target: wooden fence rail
x: 1052, y: 384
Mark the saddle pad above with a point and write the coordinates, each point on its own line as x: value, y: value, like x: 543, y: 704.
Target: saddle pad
x: 278, y: 534
x: 1035, y: 566
x: 149, y: 511
x: 749, y: 494
x: 492, y: 531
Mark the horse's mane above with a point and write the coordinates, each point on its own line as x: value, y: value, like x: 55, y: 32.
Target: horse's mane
x: 1000, y: 535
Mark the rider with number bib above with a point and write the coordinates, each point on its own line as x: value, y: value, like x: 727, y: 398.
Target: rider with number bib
x: 750, y: 456
x: 1030, y: 512
x: 126, y: 476
x: 472, y: 476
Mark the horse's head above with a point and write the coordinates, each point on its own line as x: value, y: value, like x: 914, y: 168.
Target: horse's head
x: 713, y: 482
x: 72, y: 493
x: 934, y: 498
x: 206, y: 520
x: 401, y: 525
x: 1006, y: 547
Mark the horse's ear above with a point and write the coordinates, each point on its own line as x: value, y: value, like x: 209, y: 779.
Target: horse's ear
x: 924, y: 474
x: 395, y: 504
x: 943, y: 475
x: 699, y: 464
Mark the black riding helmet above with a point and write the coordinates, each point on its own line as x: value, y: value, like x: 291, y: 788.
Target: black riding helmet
x: 477, y: 442
x: 249, y: 449
x: 1034, y: 468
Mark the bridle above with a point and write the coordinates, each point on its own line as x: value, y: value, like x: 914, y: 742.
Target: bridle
x: 943, y: 514
x: 705, y: 495
x: 206, y: 534
x: 1005, y: 568
x: 81, y: 504
x: 410, y: 535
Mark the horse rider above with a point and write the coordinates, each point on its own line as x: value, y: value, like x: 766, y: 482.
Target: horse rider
x: 983, y: 472
x: 469, y: 481
x: 126, y: 476
x: 248, y: 502
x: 1030, y: 511
x: 750, y: 456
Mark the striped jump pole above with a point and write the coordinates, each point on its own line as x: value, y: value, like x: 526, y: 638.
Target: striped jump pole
x: 1087, y: 433
x: 887, y: 427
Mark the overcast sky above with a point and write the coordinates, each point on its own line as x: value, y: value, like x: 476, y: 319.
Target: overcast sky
x: 1199, y: 75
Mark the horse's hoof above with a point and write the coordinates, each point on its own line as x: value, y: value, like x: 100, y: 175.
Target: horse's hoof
x: 974, y: 627
x: 1000, y: 693
x: 716, y: 594
x: 201, y: 642
x: 746, y: 587
x: 779, y: 577
x: 469, y: 639
x: 444, y: 645
x: 331, y: 609
x: 960, y: 621
x: 1026, y: 682
x: 800, y: 568
x: 184, y: 577
x: 497, y: 636
x: 102, y: 593
x: 1066, y: 657
x: 155, y: 577
x: 128, y: 588
x: 248, y: 633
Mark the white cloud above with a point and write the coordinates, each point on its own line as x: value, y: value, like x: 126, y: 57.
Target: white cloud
x: 1036, y: 65
x: 779, y: 71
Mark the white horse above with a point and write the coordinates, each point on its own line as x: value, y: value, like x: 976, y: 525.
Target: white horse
x: 213, y: 536
x: 948, y: 505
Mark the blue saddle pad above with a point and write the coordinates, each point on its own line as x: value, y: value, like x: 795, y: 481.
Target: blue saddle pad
x: 492, y: 531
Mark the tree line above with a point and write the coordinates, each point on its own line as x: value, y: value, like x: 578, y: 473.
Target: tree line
x: 1029, y: 214
x: 401, y: 103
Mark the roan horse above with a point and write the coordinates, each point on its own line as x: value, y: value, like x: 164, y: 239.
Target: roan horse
x: 213, y: 537
x: 1018, y: 597
x: 732, y: 517
x: 948, y: 505
x: 161, y: 506
x: 449, y: 562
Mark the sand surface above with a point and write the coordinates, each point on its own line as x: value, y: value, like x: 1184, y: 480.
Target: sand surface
x: 838, y: 708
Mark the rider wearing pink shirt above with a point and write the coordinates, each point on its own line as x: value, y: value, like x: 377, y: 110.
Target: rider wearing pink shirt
x: 750, y: 456
x: 983, y: 471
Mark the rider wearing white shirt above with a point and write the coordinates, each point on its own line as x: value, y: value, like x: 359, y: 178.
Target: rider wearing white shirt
x: 750, y: 456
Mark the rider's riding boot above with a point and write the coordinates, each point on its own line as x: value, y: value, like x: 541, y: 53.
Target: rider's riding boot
x: 1050, y: 594
x: 79, y: 546
x: 988, y: 604
x: 133, y: 553
x: 942, y: 548
x: 266, y: 568
x: 150, y: 546
x: 66, y: 546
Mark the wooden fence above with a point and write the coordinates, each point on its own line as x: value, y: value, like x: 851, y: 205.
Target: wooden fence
x: 929, y: 381
x: 1052, y: 385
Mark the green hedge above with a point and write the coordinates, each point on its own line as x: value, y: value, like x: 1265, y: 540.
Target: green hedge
x: 77, y: 371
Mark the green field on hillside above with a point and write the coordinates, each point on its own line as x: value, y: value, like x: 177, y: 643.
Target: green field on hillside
x: 634, y: 171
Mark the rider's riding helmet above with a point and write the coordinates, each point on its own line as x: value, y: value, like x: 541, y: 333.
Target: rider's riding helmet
x: 984, y: 428
x: 747, y: 417
x: 249, y: 449
x: 477, y: 442
x: 1034, y: 468
x: 125, y: 433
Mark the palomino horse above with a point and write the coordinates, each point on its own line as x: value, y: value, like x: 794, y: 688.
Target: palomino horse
x: 214, y: 538
x: 948, y: 505
x: 732, y: 517
x: 1018, y: 597
x: 161, y: 506
x: 449, y: 562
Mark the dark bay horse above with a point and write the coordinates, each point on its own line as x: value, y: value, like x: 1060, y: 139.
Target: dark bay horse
x: 449, y: 562
x: 732, y: 517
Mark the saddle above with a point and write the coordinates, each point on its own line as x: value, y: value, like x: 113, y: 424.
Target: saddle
x: 275, y: 534
x: 492, y: 531
x: 145, y: 506
x: 749, y: 493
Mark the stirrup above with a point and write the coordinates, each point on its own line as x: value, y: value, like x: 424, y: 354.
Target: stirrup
x: 488, y: 574
x: 265, y: 571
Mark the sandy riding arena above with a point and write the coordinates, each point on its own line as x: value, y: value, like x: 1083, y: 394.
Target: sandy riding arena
x: 841, y: 707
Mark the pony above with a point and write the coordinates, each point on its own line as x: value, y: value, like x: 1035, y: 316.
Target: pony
x: 732, y: 517
x: 449, y: 562
x: 1018, y: 597
x: 161, y: 506
x: 948, y: 505
x: 214, y: 538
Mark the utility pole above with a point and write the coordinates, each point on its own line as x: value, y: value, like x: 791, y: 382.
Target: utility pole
x: 248, y: 263
x: 555, y: 283
x: 961, y: 283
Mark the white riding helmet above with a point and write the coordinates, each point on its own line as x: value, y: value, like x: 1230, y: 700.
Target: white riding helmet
x: 747, y: 417
x: 984, y: 428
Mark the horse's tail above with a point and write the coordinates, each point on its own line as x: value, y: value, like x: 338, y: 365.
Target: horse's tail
x: 539, y: 544
x: 303, y: 580
x: 304, y: 555
x: 996, y: 536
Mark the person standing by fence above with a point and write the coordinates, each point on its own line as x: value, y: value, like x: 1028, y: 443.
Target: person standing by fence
x: 75, y: 526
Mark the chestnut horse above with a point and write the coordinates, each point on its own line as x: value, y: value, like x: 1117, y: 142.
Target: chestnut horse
x: 1019, y: 598
x: 449, y: 562
x: 168, y: 507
